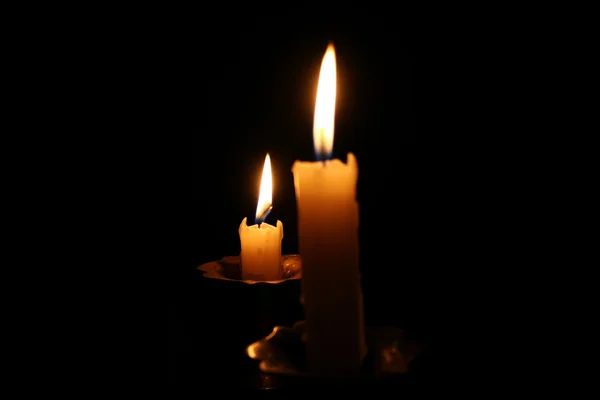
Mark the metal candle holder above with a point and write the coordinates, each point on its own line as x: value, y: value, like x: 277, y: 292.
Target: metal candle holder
x: 249, y: 308
x: 230, y: 269
x: 258, y: 314
x: 282, y: 354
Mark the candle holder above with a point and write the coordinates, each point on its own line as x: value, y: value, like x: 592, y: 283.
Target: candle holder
x: 249, y: 308
x: 230, y: 269
x: 282, y: 354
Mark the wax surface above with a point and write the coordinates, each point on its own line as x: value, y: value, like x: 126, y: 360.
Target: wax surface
x: 328, y: 243
x: 261, y: 251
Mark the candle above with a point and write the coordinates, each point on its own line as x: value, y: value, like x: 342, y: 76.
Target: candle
x: 328, y: 243
x: 261, y: 243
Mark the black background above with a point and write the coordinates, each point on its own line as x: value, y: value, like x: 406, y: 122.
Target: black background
x: 251, y: 91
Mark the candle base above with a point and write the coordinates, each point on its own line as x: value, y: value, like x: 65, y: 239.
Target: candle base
x: 248, y: 308
x: 283, y: 354
x: 229, y: 269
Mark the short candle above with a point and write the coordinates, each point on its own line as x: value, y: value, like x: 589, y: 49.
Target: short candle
x: 261, y: 243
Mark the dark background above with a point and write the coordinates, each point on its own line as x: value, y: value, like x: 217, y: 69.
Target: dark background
x: 252, y: 91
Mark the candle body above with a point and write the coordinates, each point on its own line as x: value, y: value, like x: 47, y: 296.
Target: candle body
x: 261, y: 251
x: 328, y: 243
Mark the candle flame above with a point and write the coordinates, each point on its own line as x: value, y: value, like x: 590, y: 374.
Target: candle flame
x: 325, y: 106
x: 265, y: 197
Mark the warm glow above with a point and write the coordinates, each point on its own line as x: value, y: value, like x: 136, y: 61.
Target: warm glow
x: 325, y: 107
x: 265, y: 197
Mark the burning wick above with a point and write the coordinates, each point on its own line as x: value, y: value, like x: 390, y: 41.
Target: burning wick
x: 263, y: 216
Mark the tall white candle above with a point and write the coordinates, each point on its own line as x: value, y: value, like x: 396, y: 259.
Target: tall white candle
x: 328, y: 243
x: 261, y: 243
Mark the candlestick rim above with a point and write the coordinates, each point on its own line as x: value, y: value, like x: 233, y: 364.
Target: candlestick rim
x: 282, y: 353
x: 229, y: 269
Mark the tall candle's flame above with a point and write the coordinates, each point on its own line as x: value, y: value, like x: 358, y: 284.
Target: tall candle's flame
x: 325, y: 107
x: 265, y: 197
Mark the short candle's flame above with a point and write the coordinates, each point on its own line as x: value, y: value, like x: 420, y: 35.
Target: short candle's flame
x: 325, y: 107
x: 265, y: 197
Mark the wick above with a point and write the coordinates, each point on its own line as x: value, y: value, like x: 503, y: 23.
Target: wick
x: 322, y: 141
x: 262, y: 218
